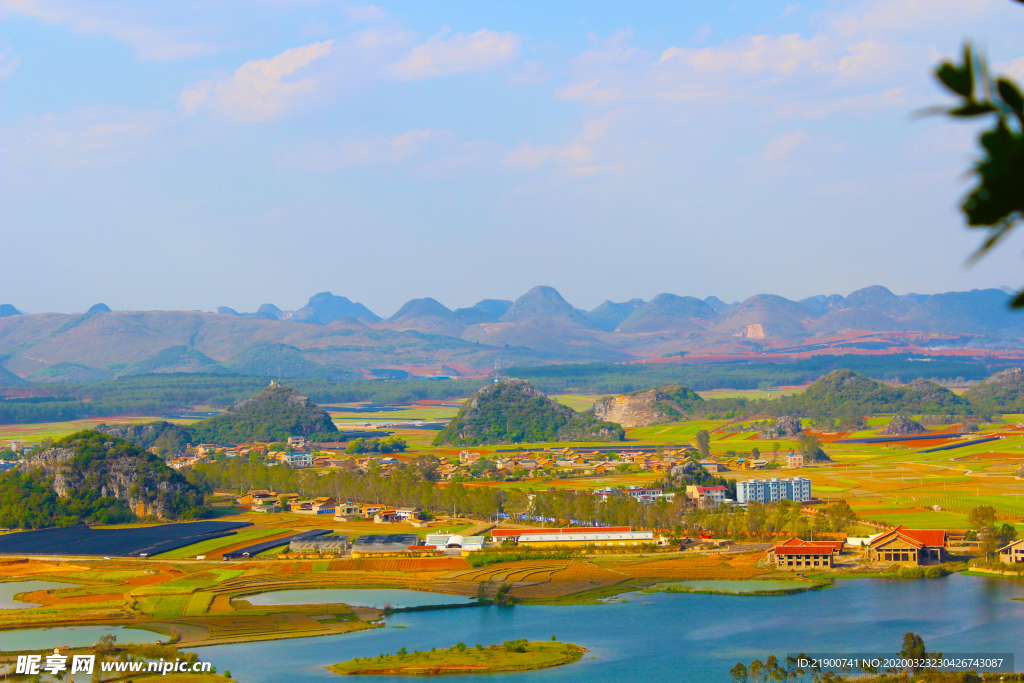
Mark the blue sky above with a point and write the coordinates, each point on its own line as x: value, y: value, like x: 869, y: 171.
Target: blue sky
x: 187, y: 155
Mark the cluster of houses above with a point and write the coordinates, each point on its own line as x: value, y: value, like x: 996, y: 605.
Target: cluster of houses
x: 568, y: 462
x: 269, y: 502
x: 899, y: 546
x: 297, y: 456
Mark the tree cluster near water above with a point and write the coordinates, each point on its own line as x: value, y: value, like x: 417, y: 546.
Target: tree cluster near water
x: 913, y: 652
x: 406, y: 486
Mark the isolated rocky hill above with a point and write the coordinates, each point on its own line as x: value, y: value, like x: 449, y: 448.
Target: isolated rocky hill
x: 666, y: 403
x: 511, y: 411
x: 100, y: 475
x: 274, y: 414
x: 851, y: 396
x: 335, y: 338
x: 901, y: 425
x: 1002, y: 392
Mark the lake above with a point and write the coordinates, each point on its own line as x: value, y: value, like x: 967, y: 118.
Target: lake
x: 739, y: 587
x: 662, y: 636
x: 9, y: 590
x: 359, y: 597
x: 72, y: 636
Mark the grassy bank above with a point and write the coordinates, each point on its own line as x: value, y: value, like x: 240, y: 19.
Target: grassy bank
x: 512, y: 656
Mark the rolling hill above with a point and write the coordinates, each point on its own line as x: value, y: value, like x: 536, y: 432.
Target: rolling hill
x: 511, y: 411
x: 333, y: 337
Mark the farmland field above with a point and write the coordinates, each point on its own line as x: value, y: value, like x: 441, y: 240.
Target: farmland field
x: 35, y: 433
x: 113, y: 541
x: 212, y: 545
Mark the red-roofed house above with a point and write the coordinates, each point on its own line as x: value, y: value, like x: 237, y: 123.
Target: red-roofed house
x: 796, y: 554
x: 909, y: 546
x: 706, y: 496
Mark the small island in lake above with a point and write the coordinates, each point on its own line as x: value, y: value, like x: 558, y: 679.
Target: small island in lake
x: 512, y: 655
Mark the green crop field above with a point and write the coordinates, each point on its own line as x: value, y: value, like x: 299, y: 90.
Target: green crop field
x: 205, y: 547
x: 578, y: 402
x: 751, y: 393
x: 35, y: 433
x: 413, y: 412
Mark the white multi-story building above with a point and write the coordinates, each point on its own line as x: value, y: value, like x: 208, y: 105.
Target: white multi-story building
x: 773, y: 490
x: 298, y: 460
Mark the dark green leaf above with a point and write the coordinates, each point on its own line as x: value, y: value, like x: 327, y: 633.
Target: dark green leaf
x: 1018, y: 301
x: 1011, y: 95
x: 959, y: 78
x: 973, y: 109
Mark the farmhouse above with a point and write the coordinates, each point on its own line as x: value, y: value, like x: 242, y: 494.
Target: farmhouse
x: 644, y: 495
x: 297, y: 460
x: 908, y: 546
x: 345, y: 512
x: 706, y: 496
x: 797, y: 554
x: 1012, y: 553
x: 392, y: 515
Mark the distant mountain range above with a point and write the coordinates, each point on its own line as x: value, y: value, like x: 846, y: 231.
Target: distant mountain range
x: 336, y: 338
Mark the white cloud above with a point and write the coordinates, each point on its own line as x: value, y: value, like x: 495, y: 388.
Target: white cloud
x: 8, y: 64
x: 369, y: 13
x: 1014, y: 69
x: 365, y: 150
x: 480, y: 51
x: 822, y: 107
x: 258, y: 90
x: 900, y: 17
x: 84, y: 137
x: 781, y: 54
x: 864, y: 60
x: 528, y: 156
x: 781, y: 146
x: 148, y: 42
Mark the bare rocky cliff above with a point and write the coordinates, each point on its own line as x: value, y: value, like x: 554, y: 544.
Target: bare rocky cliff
x: 89, y: 465
x: 660, y: 404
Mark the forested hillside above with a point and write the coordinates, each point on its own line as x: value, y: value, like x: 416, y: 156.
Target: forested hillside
x: 511, y: 411
x: 93, y: 477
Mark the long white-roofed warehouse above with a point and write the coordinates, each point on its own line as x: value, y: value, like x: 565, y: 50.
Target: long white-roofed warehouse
x: 607, y: 539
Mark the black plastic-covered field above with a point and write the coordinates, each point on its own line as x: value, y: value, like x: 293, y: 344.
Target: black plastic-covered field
x: 383, y: 543
x: 258, y: 548
x: 133, y: 542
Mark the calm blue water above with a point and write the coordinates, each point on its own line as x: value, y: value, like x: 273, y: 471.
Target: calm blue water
x: 359, y: 597
x: 676, y: 637
x: 72, y: 636
x: 738, y: 587
x: 9, y: 590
